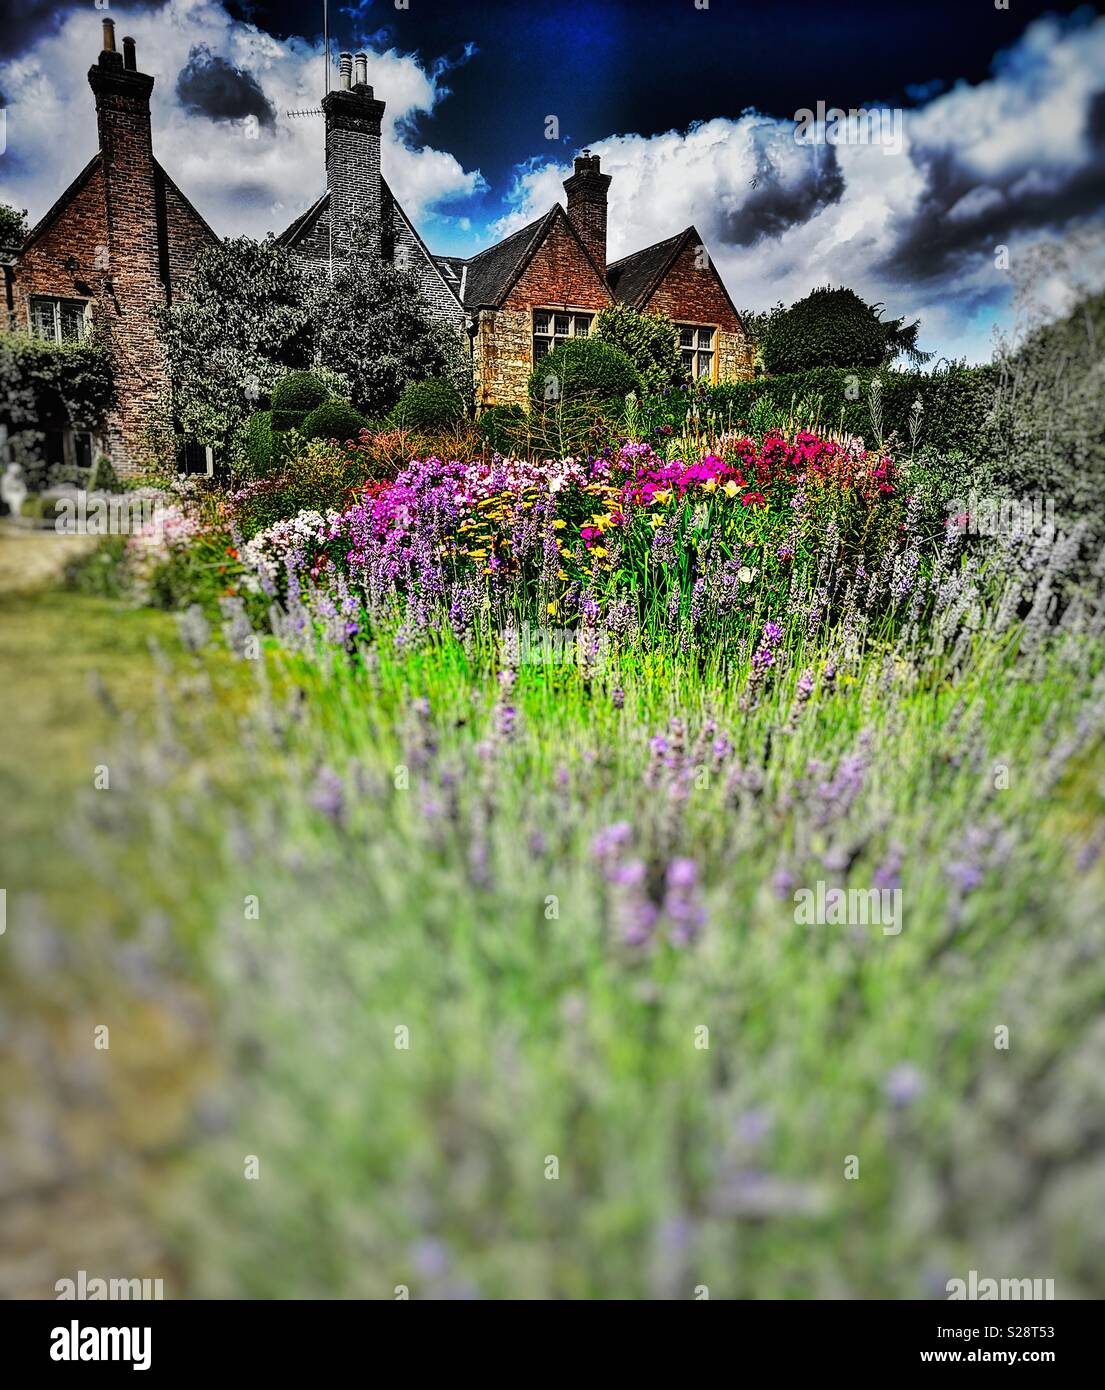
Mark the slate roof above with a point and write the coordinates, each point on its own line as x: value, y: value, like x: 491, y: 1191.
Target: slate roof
x: 290, y: 236
x: 633, y: 279
x: 492, y: 272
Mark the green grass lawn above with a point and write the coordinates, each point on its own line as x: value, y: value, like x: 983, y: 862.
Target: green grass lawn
x: 367, y: 946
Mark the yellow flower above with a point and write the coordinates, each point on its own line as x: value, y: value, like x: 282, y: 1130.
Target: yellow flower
x: 559, y: 525
x: 710, y: 485
x: 731, y: 488
x: 663, y: 496
x: 477, y: 554
x: 551, y: 607
x: 656, y: 521
x: 599, y: 550
x: 560, y: 574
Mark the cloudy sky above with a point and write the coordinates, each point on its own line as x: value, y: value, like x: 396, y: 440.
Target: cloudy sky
x: 691, y: 104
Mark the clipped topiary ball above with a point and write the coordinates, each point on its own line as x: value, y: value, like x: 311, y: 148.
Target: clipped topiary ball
x: 294, y: 396
x: 428, y: 405
x: 584, y: 371
x: 333, y: 419
x: 829, y: 328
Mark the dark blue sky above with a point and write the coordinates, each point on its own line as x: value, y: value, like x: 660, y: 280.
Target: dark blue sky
x: 617, y: 66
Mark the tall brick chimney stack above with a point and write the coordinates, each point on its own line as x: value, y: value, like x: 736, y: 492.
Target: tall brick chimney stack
x: 127, y: 275
x: 586, y: 190
x: 353, y: 157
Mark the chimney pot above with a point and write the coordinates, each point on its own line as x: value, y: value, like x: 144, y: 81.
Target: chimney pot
x: 109, y: 36
x: 362, y: 69
x: 345, y: 66
x: 130, y: 57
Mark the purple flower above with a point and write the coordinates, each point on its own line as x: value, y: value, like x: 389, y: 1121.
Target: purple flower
x: 902, y: 1085
x: 327, y: 795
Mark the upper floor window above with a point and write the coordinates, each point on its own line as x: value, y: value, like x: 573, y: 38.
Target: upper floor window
x: 696, y: 348
x: 60, y: 320
x: 550, y: 329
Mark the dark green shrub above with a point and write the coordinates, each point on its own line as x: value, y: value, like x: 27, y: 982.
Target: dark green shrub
x: 501, y: 426
x: 333, y: 419
x: 587, y: 373
x: 648, y: 340
x: 957, y: 405
x: 299, y: 391
x: 258, y: 443
x: 428, y: 405
x: 829, y: 328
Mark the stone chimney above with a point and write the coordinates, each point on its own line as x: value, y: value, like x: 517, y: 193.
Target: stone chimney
x: 586, y: 190
x: 353, y: 157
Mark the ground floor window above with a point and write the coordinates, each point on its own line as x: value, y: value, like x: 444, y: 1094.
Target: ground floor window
x: 64, y: 447
x: 195, y: 458
x: 696, y: 348
x: 551, y: 328
x: 60, y: 320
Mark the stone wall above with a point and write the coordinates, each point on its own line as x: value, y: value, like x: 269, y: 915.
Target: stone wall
x: 502, y: 357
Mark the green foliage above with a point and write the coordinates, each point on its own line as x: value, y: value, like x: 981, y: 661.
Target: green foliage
x: 428, y: 405
x: 1047, y: 414
x: 829, y: 328
x: 45, y: 384
x: 648, y: 340
x: 956, y: 402
x: 296, y: 394
x: 500, y: 427
x: 333, y: 419
x: 13, y: 227
x: 257, y: 445
x: 372, y: 324
x: 241, y: 325
x: 586, y: 374
x: 316, y: 476
x: 104, y: 477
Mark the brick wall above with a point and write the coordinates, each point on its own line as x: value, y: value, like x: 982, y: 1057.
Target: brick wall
x: 353, y: 166
x: 403, y: 248
x: 132, y: 235
x: 691, y: 292
x: 560, y: 274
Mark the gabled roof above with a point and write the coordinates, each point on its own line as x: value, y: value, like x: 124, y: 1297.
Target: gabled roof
x: 187, y: 202
x: 634, y: 279
x: 48, y: 219
x: 493, y: 272
x: 450, y: 284
x: 53, y: 213
x: 291, y: 236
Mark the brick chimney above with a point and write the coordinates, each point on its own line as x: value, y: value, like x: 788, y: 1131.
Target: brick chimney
x: 353, y: 155
x: 129, y: 275
x: 586, y: 191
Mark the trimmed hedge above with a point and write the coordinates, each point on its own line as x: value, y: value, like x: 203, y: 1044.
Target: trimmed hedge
x: 333, y: 419
x: 428, y: 405
x: 957, y: 403
x: 258, y: 443
x: 585, y: 371
x: 829, y: 328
